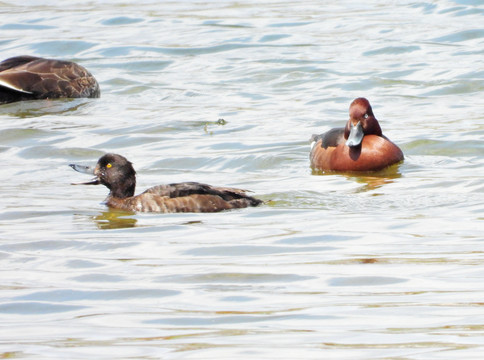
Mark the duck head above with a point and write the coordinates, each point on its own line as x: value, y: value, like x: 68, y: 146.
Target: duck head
x: 113, y: 171
x: 362, y: 122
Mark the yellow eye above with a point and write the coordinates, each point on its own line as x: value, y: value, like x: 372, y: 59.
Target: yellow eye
x: 109, y: 165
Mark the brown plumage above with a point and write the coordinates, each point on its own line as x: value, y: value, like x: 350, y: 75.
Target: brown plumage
x: 359, y: 146
x: 31, y: 78
x: 118, y: 175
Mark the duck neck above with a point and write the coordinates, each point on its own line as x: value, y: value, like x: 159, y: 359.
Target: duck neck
x: 123, y: 189
x: 374, y: 128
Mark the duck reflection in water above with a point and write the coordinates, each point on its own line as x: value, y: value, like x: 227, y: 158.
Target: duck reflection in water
x: 373, y: 182
x: 115, y: 219
x: 369, y: 180
x: 118, y: 175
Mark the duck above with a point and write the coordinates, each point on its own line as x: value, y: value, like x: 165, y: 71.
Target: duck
x: 117, y: 173
x: 358, y: 147
x: 32, y: 78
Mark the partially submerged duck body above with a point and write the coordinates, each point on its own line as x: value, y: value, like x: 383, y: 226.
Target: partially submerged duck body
x: 359, y: 146
x: 34, y: 78
x: 184, y: 197
x: 118, y: 175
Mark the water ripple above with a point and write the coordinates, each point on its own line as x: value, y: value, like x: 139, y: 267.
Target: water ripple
x: 229, y: 94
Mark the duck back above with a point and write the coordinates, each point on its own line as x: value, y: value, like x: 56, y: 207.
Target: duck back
x: 185, y: 197
x: 31, y: 78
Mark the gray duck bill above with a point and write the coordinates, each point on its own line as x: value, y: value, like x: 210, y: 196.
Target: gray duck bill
x: 85, y: 170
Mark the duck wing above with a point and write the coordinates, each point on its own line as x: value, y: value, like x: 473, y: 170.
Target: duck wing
x: 194, y: 188
x: 331, y: 138
x: 185, y: 197
x: 47, y: 78
x: 16, y: 61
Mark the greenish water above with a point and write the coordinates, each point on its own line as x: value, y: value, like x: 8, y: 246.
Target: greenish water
x: 378, y: 266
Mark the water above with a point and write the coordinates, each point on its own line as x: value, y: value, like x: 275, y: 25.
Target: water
x: 333, y: 266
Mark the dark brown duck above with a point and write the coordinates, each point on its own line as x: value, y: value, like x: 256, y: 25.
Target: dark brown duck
x: 32, y: 78
x: 118, y: 175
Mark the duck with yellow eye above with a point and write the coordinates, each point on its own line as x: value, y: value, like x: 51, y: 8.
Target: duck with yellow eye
x: 118, y: 175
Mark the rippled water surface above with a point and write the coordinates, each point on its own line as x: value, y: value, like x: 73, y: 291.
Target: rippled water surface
x: 333, y: 266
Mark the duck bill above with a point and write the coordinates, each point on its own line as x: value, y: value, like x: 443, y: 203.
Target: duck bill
x: 356, y: 135
x: 94, y: 181
x: 85, y: 170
